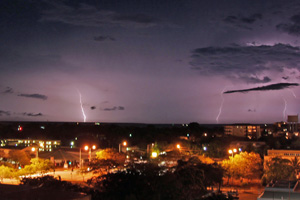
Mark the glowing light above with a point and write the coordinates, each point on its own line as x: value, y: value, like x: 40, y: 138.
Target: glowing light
x: 178, y: 146
x: 205, y: 148
x: 234, y: 150
x: 94, y: 147
x: 33, y: 149
x: 124, y: 143
x: 86, y: 147
x: 221, y: 106
x: 82, y: 110
x: 230, y: 151
x: 154, y: 154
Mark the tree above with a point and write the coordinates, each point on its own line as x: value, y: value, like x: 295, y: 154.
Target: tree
x: 295, y: 164
x: 42, y: 165
x: 148, y: 181
x: 244, y: 165
x: 277, y: 169
x: 37, y: 165
x: 195, y: 176
x: 107, y: 159
x: 6, y: 172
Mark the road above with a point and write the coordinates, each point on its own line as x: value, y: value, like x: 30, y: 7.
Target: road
x: 66, y: 175
x: 246, y: 193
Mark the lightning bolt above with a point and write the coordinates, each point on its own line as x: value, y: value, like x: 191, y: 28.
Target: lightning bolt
x: 284, y: 110
x: 293, y: 93
x: 221, y: 106
x: 82, y: 110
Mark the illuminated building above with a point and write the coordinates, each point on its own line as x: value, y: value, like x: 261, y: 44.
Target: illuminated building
x: 43, y: 145
x: 250, y: 131
x: 292, y: 123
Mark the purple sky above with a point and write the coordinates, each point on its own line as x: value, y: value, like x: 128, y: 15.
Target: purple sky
x: 150, y: 62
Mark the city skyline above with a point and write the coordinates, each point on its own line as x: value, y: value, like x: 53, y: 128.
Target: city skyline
x: 151, y: 61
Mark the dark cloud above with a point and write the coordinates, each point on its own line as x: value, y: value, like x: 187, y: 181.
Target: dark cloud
x: 8, y: 90
x: 32, y: 114
x: 121, y: 108
x: 114, y: 108
x: 251, y: 110
x: 110, y: 109
x: 137, y: 18
x: 104, y: 38
x: 277, y: 86
x: 255, y: 79
x: 93, y: 107
x: 293, y: 27
x: 35, y: 96
x: 4, y: 113
x: 246, y: 63
x: 89, y: 15
x: 242, y: 21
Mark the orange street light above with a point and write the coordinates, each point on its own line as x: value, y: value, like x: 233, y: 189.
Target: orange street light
x: 154, y: 154
x: 86, y: 147
x: 124, y: 143
x: 234, y: 150
x: 178, y: 146
x: 36, y: 150
x: 94, y: 147
x: 230, y: 151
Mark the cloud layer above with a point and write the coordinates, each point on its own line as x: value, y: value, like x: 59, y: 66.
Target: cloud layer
x: 246, y: 63
x: 278, y: 86
x: 35, y: 96
x: 88, y: 15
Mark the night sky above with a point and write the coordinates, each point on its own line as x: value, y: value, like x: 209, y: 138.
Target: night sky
x: 152, y: 61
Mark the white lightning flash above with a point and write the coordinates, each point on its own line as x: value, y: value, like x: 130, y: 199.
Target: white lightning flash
x: 293, y: 93
x: 82, y: 110
x: 284, y: 110
x: 221, y: 106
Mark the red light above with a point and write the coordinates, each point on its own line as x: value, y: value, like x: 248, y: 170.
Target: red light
x: 20, y: 128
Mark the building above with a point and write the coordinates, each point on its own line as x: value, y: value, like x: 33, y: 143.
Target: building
x: 286, y: 154
x: 44, y: 145
x: 250, y: 131
x: 281, y: 190
x: 292, y: 123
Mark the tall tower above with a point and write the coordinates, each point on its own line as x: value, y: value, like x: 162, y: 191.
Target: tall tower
x: 292, y: 123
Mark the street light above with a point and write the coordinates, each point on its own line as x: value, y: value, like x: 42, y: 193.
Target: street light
x: 86, y: 147
x: 36, y: 150
x: 154, y: 154
x: 231, y: 151
x: 124, y: 144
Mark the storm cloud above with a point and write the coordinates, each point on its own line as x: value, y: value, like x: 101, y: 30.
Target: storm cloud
x: 35, y: 96
x: 277, y: 86
x: 8, y: 90
x: 242, y: 21
x: 90, y: 15
x: 101, y: 38
x: 32, y: 114
x: 293, y: 27
x: 4, y: 113
x: 114, y: 108
x: 246, y: 63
